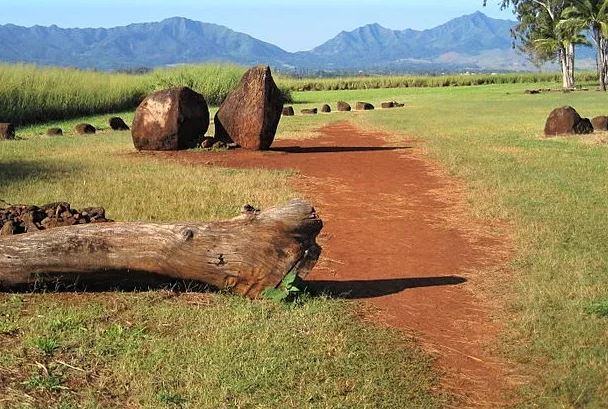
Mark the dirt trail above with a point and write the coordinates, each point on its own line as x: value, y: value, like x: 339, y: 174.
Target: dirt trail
x: 396, y: 235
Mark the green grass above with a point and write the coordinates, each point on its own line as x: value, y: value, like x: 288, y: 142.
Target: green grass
x: 424, y: 81
x: 160, y: 349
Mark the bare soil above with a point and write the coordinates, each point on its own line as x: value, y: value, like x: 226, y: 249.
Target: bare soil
x: 398, y: 234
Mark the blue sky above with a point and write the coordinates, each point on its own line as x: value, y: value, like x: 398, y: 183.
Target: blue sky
x: 291, y: 24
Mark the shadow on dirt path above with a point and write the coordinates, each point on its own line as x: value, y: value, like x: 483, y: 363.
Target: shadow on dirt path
x: 398, y: 235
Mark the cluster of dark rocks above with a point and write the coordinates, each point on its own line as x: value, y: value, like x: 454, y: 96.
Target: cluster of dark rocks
x: 20, y: 219
x: 566, y: 121
x: 342, y: 106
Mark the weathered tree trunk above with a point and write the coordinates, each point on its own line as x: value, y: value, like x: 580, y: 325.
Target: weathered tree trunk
x: 248, y: 254
x: 603, y: 55
x: 567, y: 64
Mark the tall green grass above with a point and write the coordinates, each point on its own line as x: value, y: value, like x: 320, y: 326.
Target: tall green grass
x: 29, y: 94
x: 424, y: 81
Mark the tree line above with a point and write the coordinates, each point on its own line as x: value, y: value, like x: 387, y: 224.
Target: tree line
x: 550, y: 30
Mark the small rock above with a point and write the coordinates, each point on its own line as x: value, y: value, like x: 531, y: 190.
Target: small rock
x: 207, y: 143
x: 387, y: 105
x: 343, y: 106
x: 600, y: 123
x: 220, y: 145
x: 85, y: 129
x: 312, y: 111
x: 364, y: 106
x: 7, y: 131
x: 54, y: 132
x: 117, y: 124
x: 288, y: 111
x: 326, y: 108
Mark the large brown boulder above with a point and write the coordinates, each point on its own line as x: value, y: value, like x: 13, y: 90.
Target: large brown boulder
x: 7, y: 131
x: 566, y: 120
x: 170, y: 120
x: 251, y: 113
x: 600, y: 123
x: 343, y: 106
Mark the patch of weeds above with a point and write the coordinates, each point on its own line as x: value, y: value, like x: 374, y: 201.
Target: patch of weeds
x: 288, y: 290
x: 599, y: 308
x: 46, y: 345
x: 118, y: 338
x: 171, y: 399
x: 64, y: 324
x: 46, y: 382
x: 8, y: 328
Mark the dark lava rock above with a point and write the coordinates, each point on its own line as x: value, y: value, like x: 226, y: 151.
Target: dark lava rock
x: 117, y: 124
x: 566, y: 120
x: 251, y: 113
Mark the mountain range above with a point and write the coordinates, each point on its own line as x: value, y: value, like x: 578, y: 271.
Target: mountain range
x: 472, y: 42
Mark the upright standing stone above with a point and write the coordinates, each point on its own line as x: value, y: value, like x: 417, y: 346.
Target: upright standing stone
x: 7, y: 131
x: 251, y: 113
x: 170, y: 120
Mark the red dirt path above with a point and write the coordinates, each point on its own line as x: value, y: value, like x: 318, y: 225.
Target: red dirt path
x: 397, y: 234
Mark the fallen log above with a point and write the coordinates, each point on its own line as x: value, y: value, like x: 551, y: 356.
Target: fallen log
x: 247, y: 254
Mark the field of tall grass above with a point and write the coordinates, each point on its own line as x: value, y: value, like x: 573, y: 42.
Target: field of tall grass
x: 424, y: 81
x: 30, y: 94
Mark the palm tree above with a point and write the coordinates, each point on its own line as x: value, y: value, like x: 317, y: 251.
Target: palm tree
x: 594, y: 15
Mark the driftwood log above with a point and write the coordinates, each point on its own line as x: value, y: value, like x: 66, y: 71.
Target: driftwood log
x: 247, y: 255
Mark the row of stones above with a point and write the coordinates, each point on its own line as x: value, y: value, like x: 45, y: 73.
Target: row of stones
x: 7, y: 130
x: 342, y: 107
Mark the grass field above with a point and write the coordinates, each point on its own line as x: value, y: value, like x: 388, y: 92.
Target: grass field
x: 552, y: 192
x: 30, y: 95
